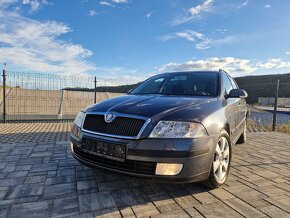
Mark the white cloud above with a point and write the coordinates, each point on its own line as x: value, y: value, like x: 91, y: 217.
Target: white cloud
x: 106, y: 3
x: 193, y: 12
x: 167, y: 37
x: 267, y: 6
x: 33, y: 45
x: 235, y: 66
x: 243, y: 4
x: 273, y: 63
x: 120, y: 1
x: 185, y: 35
x: 93, y: 13
x: 201, y: 8
x: 6, y: 3
x: 149, y: 14
x: 287, y: 52
x: 112, y: 3
x: 33, y: 4
x: 227, y: 63
x: 199, y: 39
x: 222, y: 31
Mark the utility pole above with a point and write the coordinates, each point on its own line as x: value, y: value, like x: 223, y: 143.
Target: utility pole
x: 275, y: 106
x: 4, y: 93
x: 95, y: 90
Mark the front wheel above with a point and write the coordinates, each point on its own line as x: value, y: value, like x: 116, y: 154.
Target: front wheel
x: 221, y: 162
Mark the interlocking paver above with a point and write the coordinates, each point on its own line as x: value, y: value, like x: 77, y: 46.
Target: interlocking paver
x: 17, y: 174
x: 124, y: 197
x: 40, y: 178
x: 3, y: 192
x: 26, y: 190
x: 169, y: 208
x: 108, y: 186
x: 11, y: 182
x: 95, y: 201
x: 34, y: 209
x: 35, y: 179
x: 60, y: 180
x: 108, y: 213
x: 88, y: 184
x: 175, y: 214
x: 217, y: 209
x: 274, y: 211
x: 145, y: 210
x: 65, y: 207
x: 243, y: 208
x: 55, y: 191
x: 127, y: 212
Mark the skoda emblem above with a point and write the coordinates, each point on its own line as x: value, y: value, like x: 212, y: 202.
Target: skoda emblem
x: 109, y: 117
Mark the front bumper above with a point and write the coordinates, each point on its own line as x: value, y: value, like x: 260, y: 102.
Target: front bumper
x: 142, y: 156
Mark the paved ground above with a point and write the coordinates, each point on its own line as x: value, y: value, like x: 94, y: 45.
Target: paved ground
x: 39, y: 178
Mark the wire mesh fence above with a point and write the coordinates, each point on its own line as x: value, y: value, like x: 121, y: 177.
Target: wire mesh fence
x: 38, y: 96
x: 264, y: 116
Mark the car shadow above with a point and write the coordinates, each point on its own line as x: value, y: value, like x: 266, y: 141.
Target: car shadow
x: 43, y: 160
x: 138, y: 197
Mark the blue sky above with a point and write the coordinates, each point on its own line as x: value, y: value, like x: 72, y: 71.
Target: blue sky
x: 139, y: 38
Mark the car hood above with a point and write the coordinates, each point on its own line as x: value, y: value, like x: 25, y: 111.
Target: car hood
x: 152, y: 106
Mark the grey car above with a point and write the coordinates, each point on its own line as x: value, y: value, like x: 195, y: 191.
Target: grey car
x: 174, y: 127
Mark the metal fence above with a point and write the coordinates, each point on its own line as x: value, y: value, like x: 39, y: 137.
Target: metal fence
x: 269, y: 106
x: 47, y: 97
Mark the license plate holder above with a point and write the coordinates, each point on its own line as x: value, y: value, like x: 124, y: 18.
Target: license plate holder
x: 108, y: 150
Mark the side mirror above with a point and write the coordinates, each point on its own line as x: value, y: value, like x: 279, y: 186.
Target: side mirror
x: 237, y: 93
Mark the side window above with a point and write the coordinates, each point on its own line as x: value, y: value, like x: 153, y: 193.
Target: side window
x: 227, y: 84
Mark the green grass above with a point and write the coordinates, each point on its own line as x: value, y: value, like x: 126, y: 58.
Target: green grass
x: 285, y: 128
x: 257, y: 125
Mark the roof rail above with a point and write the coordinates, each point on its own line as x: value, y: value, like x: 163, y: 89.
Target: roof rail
x: 221, y: 70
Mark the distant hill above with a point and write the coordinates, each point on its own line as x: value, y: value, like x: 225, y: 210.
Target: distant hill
x: 256, y: 86
x: 264, y: 86
x: 115, y: 89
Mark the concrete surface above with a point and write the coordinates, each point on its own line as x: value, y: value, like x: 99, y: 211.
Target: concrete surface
x: 40, y: 178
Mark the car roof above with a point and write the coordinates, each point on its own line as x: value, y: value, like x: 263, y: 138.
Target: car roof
x: 189, y: 72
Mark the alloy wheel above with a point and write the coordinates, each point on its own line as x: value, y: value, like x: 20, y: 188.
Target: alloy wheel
x: 221, y: 159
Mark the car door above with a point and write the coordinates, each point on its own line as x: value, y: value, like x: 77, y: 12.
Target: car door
x: 242, y: 109
x: 231, y: 107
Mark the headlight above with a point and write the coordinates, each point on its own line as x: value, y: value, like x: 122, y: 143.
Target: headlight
x: 80, y: 119
x: 177, y: 129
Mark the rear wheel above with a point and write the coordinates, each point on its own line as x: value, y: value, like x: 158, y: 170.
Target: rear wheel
x: 221, y: 162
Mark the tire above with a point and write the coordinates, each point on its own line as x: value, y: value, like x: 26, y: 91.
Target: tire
x: 243, y: 137
x: 221, y: 162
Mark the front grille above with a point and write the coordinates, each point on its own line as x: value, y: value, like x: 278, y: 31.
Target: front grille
x: 122, y: 126
x: 132, y: 166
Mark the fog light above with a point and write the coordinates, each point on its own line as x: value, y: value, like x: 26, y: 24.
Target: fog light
x: 168, y: 169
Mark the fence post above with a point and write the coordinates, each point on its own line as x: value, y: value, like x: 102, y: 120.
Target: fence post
x: 275, y: 106
x: 4, y: 93
x: 95, y: 90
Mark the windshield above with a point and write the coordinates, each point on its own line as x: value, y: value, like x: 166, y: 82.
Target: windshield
x: 191, y: 84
